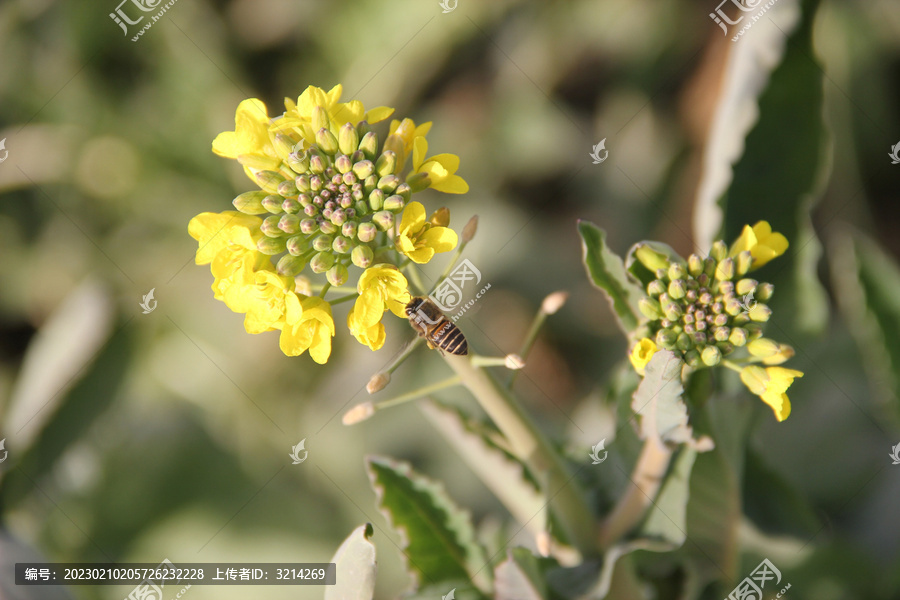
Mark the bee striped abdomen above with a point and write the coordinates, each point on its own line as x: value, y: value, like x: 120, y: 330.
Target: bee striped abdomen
x: 430, y: 323
x: 448, y: 337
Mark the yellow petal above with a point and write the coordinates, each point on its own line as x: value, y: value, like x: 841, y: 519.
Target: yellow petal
x: 420, y: 149
x: 780, y: 404
x: 413, y: 218
x: 450, y: 162
x: 440, y: 239
x: 452, y: 185
x: 379, y: 113
x: 420, y: 256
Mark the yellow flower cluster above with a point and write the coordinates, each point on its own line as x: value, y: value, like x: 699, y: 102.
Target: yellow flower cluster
x: 760, y: 244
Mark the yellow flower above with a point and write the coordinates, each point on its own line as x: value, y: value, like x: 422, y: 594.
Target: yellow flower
x: 299, y: 115
x: 441, y: 169
x: 419, y: 240
x: 401, y: 136
x: 381, y: 287
x: 762, y: 243
x: 641, y: 354
x: 262, y: 297
x: 770, y: 384
x: 308, y: 326
x: 250, y: 138
x: 217, y: 231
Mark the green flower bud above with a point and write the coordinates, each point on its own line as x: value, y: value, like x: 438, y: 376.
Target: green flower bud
x: 322, y: 243
x: 650, y: 308
x: 763, y: 347
x: 705, y: 299
x: 341, y: 245
x: 760, y: 313
x: 348, y: 139
x: 650, y: 258
x: 745, y: 286
x: 695, y: 265
x: 666, y: 338
x: 719, y: 251
x: 363, y: 169
x: 725, y: 287
x: 298, y: 162
x: 418, y: 182
x: 320, y: 119
x: 317, y: 165
x: 343, y: 165
x: 337, y: 275
x: 269, y: 180
x: 743, y: 262
x: 711, y: 356
x: 733, y: 307
x: 291, y: 206
x: 656, y: 287
x: 258, y: 162
x: 383, y: 219
x: 250, y: 203
x: 321, y: 262
x: 308, y: 226
x: 676, y: 288
x: 725, y: 347
x: 362, y: 256
x: 271, y: 246
x: 684, y: 341
x: 673, y: 311
x: 692, y: 358
x: 403, y: 190
x: 388, y: 183
x: 287, y: 189
x: 289, y: 223
x: 721, y: 334
x: 376, y: 199
x: 676, y: 271
x: 270, y: 226
x: 296, y: 245
x: 348, y: 229
x: 289, y: 265
x: 283, y: 145
x: 363, y: 127
x: 386, y: 163
x: 784, y: 353
x: 699, y: 338
x: 394, y: 203
x: 366, y: 232
x: 725, y: 270
x: 326, y: 141
x: 327, y: 227
x: 709, y: 268
x: 764, y: 292
x: 754, y: 330
x: 302, y: 183
x: 339, y: 217
x: 738, y: 336
x: 369, y: 145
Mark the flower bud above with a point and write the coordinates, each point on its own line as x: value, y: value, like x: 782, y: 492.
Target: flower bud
x: 289, y: 265
x: 743, y: 262
x: 302, y: 183
x: 269, y: 226
x: 676, y: 288
x: 296, y: 245
x: 378, y: 382
x: 711, y: 356
x: 699, y: 338
x: 404, y: 191
x: 656, y: 287
x: 258, y: 162
x: 320, y: 118
x: 673, y: 311
x: 298, y: 162
x: 386, y: 163
x: 271, y: 246
x: 650, y: 308
x: 316, y: 165
x: 388, y: 183
x: 308, y: 226
x: 553, y: 302
x: 337, y: 275
x: 363, y: 411
x: 469, y: 230
x: 725, y: 287
x: 745, y: 286
x: 764, y: 292
x: 733, y: 307
x: 763, y: 347
x: 514, y: 362
x: 348, y: 229
x: 383, y: 219
x: 326, y: 141
x: 784, y: 353
x: 369, y: 145
x: 327, y: 227
x: 291, y: 206
x: 695, y: 265
x: 760, y: 313
x: 362, y: 257
x: 250, y: 203
x: 341, y: 245
x: 755, y: 378
x: 289, y: 223
x: 283, y: 145
x: 718, y: 251
x: 440, y: 217
x: 363, y: 169
x: 418, y: 182
x: 366, y: 232
x: 321, y: 243
x: 676, y: 271
x: 339, y: 217
x: 705, y: 299
x: 692, y: 358
x: 348, y: 139
x: 709, y: 268
x: 666, y: 338
x: 343, y: 165
x: 321, y: 262
x: 725, y: 270
x: 376, y: 199
x: 269, y: 180
x: 650, y: 258
x: 721, y: 334
x: 738, y: 336
x: 394, y: 203
x: 684, y: 341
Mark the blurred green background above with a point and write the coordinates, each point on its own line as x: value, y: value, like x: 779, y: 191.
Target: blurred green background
x: 137, y: 437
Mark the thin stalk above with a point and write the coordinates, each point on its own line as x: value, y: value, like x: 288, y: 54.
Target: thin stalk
x: 325, y: 289
x: 530, y: 338
x: 416, y: 278
x: 346, y: 298
x: 419, y: 393
x: 646, y: 479
x: 530, y: 446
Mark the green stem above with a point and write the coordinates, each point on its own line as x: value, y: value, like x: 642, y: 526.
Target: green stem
x: 346, y: 298
x: 405, y: 354
x: 317, y: 287
x: 419, y: 393
x: 531, y: 447
x: 416, y: 278
x: 530, y: 338
x: 325, y: 289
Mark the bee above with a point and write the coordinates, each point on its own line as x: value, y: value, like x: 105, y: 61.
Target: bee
x: 439, y: 332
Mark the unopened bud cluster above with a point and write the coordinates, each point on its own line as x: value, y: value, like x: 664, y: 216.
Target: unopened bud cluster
x: 328, y: 203
x: 704, y: 307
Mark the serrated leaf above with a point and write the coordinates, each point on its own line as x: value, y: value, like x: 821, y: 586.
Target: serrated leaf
x: 658, y: 402
x: 666, y: 518
x: 355, y: 567
x: 607, y: 271
x: 638, y: 270
x: 519, y: 577
x: 499, y: 470
x: 437, y: 537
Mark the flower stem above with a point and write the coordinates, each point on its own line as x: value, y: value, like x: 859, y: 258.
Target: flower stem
x: 531, y: 447
x: 530, y: 338
x: 346, y: 298
x: 325, y: 289
x: 646, y: 479
x: 419, y: 393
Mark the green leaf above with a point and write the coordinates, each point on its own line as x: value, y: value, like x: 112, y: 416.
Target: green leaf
x: 519, y: 577
x: 868, y: 290
x: 658, y: 402
x: 499, y: 470
x: 637, y: 268
x: 607, y: 271
x: 666, y: 519
x: 355, y: 567
x: 436, y: 536
x: 780, y: 177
